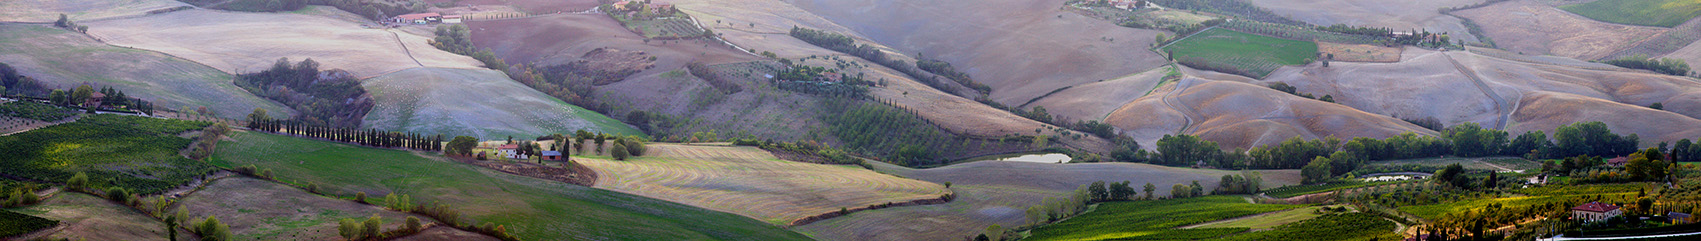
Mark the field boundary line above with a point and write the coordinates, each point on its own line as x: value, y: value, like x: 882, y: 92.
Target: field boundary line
x: 1499, y: 103
x: 405, y: 49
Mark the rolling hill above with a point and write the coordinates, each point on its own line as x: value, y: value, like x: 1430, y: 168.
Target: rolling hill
x: 63, y: 59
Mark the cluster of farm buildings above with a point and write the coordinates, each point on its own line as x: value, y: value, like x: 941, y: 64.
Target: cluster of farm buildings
x: 425, y: 18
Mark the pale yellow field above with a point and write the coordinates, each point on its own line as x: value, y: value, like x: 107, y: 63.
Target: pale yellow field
x: 239, y: 42
x: 751, y: 182
x: 46, y: 11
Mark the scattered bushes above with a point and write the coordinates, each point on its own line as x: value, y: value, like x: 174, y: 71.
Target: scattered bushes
x: 1667, y: 66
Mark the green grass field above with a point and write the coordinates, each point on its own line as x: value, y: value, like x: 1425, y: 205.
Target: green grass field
x: 64, y: 59
x: 1270, y: 220
x: 1662, y: 13
x: 1527, y: 197
x: 533, y: 209
x: 137, y: 153
x: 1154, y: 219
x: 1293, y: 191
x: 1240, y: 53
x: 1345, y: 226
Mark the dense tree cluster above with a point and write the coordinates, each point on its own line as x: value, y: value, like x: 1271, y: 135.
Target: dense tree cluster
x: 943, y: 68
x: 458, y: 39
x: 12, y: 82
x: 1668, y: 66
x: 816, y: 80
x: 331, y: 98
x: 1326, y: 157
x: 1248, y: 183
x: 66, y: 23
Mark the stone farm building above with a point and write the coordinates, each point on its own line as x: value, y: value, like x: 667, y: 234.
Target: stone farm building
x: 418, y: 18
x: 1595, y: 211
x: 508, y: 151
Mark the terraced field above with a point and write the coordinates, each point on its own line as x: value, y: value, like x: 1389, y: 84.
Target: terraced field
x: 1240, y: 53
x: 533, y: 209
x: 751, y: 182
x: 63, y: 59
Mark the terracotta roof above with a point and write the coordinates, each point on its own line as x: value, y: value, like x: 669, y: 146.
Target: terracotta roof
x: 1619, y: 161
x: 1596, y: 207
x: 509, y: 146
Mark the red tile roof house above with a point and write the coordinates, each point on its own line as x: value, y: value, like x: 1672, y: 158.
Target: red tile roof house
x: 507, y: 151
x: 1618, y: 162
x: 1595, y: 211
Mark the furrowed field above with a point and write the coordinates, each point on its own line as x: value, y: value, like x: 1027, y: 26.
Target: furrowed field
x: 12, y: 224
x: 1155, y: 220
x: 751, y: 182
x: 1662, y: 13
x: 530, y: 208
x: 137, y: 153
x: 1240, y: 53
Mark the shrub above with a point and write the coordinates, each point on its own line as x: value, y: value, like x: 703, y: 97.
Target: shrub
x: 211, y: 229
x: 118, y: 194
x: 78, y: 181
x: 619, y: 152
x: 413, y: 224
x: 360, y: 197
x: 371, y: 227
x: 348, y: 229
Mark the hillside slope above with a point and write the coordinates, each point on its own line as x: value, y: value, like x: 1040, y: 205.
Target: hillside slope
x: 474, y: 102
x: 957, y: 114
x: 1529, y: 27
x: 1401, y: 16
x: 238, y: 42
x: 63, y: 59
x: 47, y: 11
x: 1241, y: 115
x: 1021, y: 48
